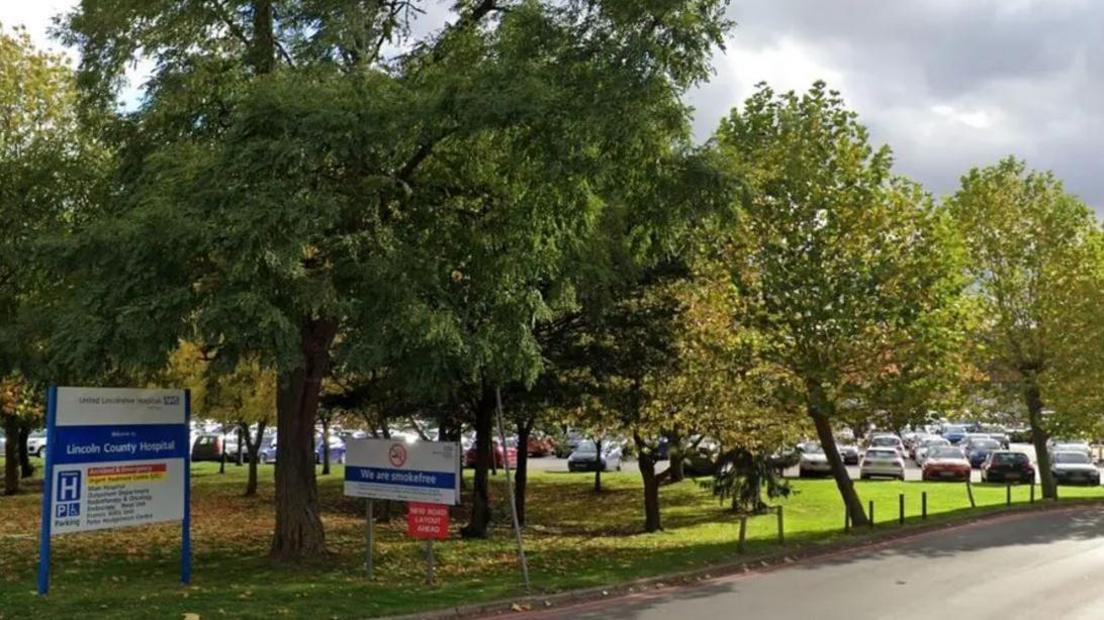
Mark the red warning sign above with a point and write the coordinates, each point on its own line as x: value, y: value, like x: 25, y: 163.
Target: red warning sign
x: 427, y: 521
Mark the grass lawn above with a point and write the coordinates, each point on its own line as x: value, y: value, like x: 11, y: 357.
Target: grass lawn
x: 575, y: 539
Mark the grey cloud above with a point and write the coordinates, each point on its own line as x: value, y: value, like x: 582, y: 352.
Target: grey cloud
x: 948, y: 84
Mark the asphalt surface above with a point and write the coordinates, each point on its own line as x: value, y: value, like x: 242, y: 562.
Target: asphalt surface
x: 1038, y: 565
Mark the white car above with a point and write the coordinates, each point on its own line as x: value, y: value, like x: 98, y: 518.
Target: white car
x: 925, y: 447
x: 36, y: 444
x: 888, y: 441
x: 813, y: 461
x: 882, y: 462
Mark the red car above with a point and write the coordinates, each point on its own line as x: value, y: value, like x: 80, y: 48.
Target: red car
x: 946, y: 463
x: 540, y: 446
x: 471, y: 456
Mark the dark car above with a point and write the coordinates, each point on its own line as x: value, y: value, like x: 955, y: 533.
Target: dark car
x: 207, y: 447
x: 954, y: 433
x: 977, y: 449
x: 1074, y: 467
x: 1007, y: 466
x: 849, y: 454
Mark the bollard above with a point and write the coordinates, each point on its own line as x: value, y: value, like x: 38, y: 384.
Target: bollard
x: 781, y: 534
x: 743, y: 534
x: 1008, y: 494
x: 970, y: 492
x: 924, y: 505
x: 1032, y: 491
x: 871, y: 514
x: 901, y: 509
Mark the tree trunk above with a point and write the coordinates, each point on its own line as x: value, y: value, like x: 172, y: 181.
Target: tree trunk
x: 11, y: 455
x: 1034, y: 400
x: 818, y: 411
x: 254, y: 447
x: 298, y: 532
x: 598, y: 465
x: 676, y: 458
x: 481, y: 503
x: 647, y: 462
x: 326, y: 446
x: 521, y: 474
x: 26, y: 469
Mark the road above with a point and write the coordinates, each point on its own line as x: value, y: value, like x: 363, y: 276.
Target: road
x: 1042, y: 565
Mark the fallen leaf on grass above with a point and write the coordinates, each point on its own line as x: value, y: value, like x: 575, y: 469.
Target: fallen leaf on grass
x: 190, y: 616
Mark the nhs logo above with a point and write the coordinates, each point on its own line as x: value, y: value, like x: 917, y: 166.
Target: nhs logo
x: 171, y: 401
x: 68, y: 494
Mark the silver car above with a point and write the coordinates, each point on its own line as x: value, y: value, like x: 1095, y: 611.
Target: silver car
x: 813, y: 462
x: 925, y: 447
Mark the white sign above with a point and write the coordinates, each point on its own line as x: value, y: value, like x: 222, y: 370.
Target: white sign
x: 117, y: 458
x: 423, y: 471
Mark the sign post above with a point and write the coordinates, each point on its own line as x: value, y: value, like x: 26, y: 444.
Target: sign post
x: 425, y: 473
x: 371, y: 536
x: 117, y: 458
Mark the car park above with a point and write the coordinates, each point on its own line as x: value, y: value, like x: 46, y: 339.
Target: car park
x: 585, y: 457
x: 882, y: 462
x: 1007, y: 466
x: 1074, y: 467
x: 921, y: 453
x: 813, y: 462
x: 945, y: 462
x: 977, y: 449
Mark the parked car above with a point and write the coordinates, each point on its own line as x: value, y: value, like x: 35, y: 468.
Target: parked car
x: 924, y: 449
x: 3, y: 441
x: 36, y: 444
x: 954, y: 433
x: 1062, y: 445
x: 1074, y: 467
x: 700, y: 457
x: 977, y: 449
x: 849, y: 453
x: 884, y: 461
x: 888, y: 441
x: 813, y: 461
x: 268, y: 450
x: 471, y: 457
x: 207, y: 447
x: 1007, y: 466
x: 585, y: 457
x: 1001, y: 438
x: 337, y: 450
x: 945, y: 462
x: 1020, y: 434
x: 539, y: 445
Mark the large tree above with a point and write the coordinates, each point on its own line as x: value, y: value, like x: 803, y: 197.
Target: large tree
x: 845, y: 270
x: 47, y: 166
x: 309, y: 183
x: 1035, y: 262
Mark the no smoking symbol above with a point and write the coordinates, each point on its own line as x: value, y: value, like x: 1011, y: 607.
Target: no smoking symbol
x: 397, y: 454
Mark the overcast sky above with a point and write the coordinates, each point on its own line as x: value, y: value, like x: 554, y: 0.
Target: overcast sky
x: 949, y: 84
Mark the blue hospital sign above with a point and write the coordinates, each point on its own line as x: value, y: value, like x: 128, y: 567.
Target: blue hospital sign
x: 423, y: 471
x: 117, y: 458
